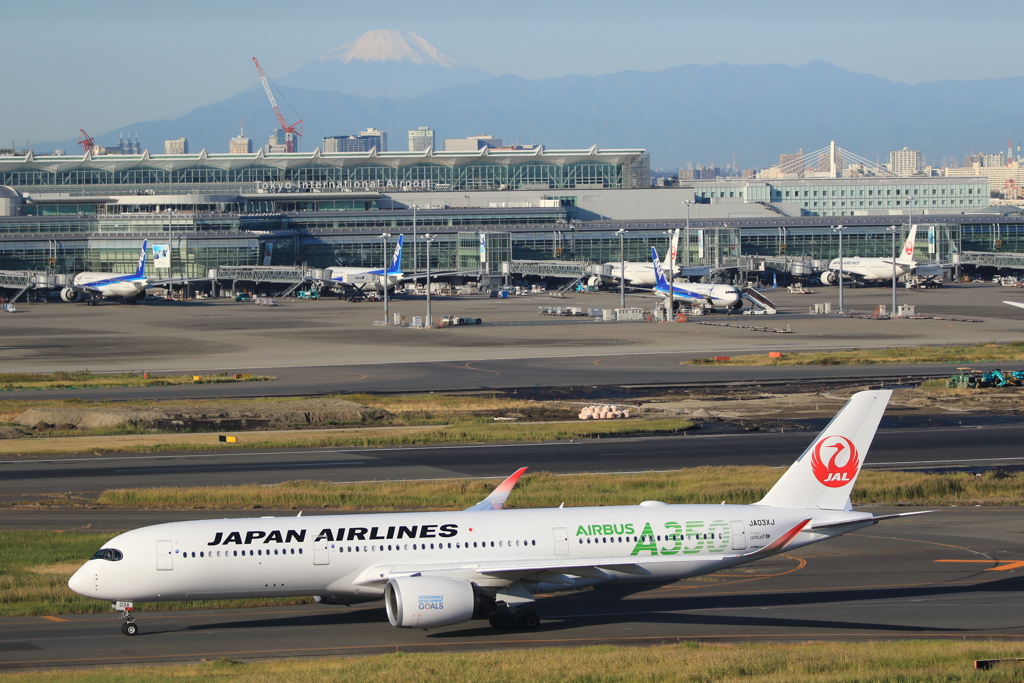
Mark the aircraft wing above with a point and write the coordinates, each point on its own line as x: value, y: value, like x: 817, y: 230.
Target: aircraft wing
x: 499, y: 495
x: 1015, y: 303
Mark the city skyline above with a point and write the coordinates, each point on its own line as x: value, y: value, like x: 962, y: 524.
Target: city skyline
x: 182, y: 56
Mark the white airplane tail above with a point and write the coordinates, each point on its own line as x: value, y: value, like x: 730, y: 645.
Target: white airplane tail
x: 824, y: 475
x: 673, y: 251
x: 907, y: 253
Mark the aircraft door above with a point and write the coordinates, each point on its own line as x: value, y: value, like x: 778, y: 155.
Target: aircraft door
x: 561, y: 540
x: 164, y: 555
x: 739, y: 534
x: 321, y: 553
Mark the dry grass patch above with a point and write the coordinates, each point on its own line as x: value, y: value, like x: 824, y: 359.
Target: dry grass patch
x: 699, y: 485
x: 960, y: 354
x: 867, y: 662
x: 364, y: 437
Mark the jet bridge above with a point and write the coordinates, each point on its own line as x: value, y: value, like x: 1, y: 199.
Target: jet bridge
x: 24, y: 280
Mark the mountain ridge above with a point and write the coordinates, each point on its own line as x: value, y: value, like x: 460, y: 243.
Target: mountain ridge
x: 690, y: 112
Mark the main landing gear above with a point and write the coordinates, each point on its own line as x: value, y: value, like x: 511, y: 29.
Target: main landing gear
x: 505, y: 618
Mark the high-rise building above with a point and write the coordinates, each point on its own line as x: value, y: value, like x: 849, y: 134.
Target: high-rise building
x: 904, y: 162
x: 276, y: 144
x: 792, y: 165
x: 179, y: 146
x: 350, y: 143
x: 240, y: 144
x: 421, y: 139
x: 473, y: 143
x: 381, y: 142
x: 985, y: 160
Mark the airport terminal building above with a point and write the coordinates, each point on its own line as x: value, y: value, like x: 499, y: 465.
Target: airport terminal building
x: 66, y: 214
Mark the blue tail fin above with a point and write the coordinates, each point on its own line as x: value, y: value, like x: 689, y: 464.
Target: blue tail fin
x: 659, y: 274
x: 140, y: 271
x: 396, y: 261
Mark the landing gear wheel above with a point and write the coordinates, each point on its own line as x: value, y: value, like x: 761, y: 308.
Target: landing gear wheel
x: 529, y: 619
x: 129, y: 628
x: 502, y: 620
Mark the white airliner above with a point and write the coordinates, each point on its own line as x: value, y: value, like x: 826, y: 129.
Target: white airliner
x: 364, y: 279
x: 719, y: 296
x: 435, y: 569
x: 873, y: 269
x: 641, y: 273
x: 128, y: 286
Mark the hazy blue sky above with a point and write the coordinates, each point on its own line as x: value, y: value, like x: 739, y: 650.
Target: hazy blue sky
x: 104, y: 64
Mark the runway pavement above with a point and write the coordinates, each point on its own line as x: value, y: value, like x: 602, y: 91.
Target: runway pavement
x: 923, y: 448
x: 952, y: 574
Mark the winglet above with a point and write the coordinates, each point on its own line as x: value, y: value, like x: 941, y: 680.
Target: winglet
x: 496, y: 500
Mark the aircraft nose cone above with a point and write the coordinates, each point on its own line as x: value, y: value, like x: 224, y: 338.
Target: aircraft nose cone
x: 78, y: 582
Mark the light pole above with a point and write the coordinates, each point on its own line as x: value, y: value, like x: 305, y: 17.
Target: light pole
x: 415, y: 247
x: 384, y: 237
x: 622, y: 267
x: 893, y: 229
x: 686, y: 238
x: 839, y: 229
x: 428, y: 239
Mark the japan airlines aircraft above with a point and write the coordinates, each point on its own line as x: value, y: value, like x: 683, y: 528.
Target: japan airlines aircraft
x: 363, y: 279
x: 130, y: 287
x: 435, y: 569
x: 641, y: 273
x: 719, y: 296
x: 873, y: 269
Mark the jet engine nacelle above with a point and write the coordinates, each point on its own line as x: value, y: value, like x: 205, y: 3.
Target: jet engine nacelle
x: 829, y: 277
x: 429, y: 601
x: 69, y: 294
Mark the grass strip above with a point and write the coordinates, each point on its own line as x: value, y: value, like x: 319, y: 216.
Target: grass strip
x: 873, y: 661
x: 83, y: 379
x: 352, y: 437
x: 698, y: 485
x: 960, y: 354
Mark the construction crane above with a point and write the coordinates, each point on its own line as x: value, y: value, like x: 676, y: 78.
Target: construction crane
x: 85, y: 141
x: 290, y: 131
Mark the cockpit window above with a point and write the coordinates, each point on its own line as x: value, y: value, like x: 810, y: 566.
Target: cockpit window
x: 109, y: 554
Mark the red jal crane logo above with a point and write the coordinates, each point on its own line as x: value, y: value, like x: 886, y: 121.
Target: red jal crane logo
x: 835, y: 461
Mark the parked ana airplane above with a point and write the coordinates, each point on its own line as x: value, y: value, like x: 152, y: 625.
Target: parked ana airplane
x: 719, y: 296
x: 440, y: 568
x: 130, y: 287
x: 873, y: 269
x: 368, y: 280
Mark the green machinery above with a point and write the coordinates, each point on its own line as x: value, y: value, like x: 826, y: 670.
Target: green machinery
x: 976, y: 379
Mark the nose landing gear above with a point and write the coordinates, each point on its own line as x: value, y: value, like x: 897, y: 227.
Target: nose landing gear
x: 129, y: 627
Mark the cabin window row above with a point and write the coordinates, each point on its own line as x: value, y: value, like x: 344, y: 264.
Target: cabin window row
x: 235, y: 553
x: 650, y: 539
x: 433, y: 546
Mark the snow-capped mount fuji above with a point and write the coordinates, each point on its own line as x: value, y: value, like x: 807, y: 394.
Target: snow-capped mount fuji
x: 384, y: 63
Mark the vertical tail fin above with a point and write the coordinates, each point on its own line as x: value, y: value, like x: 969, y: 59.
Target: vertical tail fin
x: 825, y: 474
x: 140, y: 270
x: 396, y: 260
x: 673, y: 251
x: 906, y: 255
x: 659, y: 275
